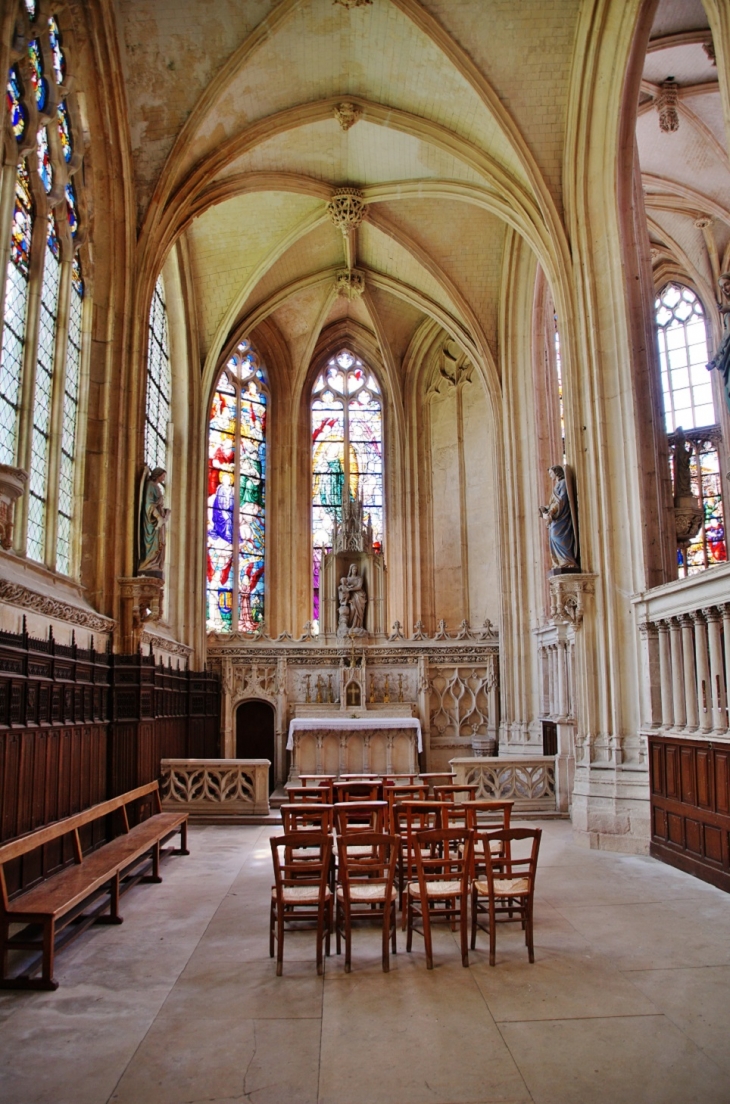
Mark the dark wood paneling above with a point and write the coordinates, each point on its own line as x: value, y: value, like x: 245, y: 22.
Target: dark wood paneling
x: 690, y: 799
x: 77, y: 726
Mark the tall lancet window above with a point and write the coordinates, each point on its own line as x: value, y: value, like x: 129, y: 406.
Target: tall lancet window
x: 689, y: 409
x: 347, y: 456
x: 236, y: 537
x: 157, y: 407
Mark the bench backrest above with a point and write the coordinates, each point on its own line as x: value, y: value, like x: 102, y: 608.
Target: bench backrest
x: 29, y: 842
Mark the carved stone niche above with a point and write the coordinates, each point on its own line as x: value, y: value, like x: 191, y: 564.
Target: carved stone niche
x: 371, y: 567
x: 12, y: 485
x: 142, y: 602
x: 567, y: 597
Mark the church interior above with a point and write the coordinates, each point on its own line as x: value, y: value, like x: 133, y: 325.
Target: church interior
x: 365, y: 410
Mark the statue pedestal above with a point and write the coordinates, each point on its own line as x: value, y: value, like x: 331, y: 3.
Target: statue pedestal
x: 371, y: 568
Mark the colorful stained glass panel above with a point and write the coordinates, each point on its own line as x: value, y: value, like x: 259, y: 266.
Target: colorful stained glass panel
x: 73, y: 211
x: 40, y: 85
x: 45, y: 168
x: 64, y: 131
x: 16, y: 108
x: 59, y: 61
x: 22, y: 221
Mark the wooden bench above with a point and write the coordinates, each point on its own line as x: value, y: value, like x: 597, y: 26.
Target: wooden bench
x: 54, y: 911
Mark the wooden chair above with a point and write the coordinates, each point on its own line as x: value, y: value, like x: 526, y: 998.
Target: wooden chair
x: 410, y: 817
x: 436, y: 778
x: 306, y: 816
x: 314, y: 794
x: 360, y: 816
x: 453, y: 791
x: 366, y: 890
x: 489, y: 816
x: 301, y: 891
x: 443, y: 865
x: 362, y: 790
x: 400, y: 779
x: 397, y: 793
x: 509, y: 886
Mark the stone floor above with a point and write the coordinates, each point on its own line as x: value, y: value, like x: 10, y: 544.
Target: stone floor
x: 628, y: 1001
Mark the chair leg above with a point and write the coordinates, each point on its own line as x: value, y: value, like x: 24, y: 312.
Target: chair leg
x: 386, y: 937
x: 338, y: 926
x: 528, y: 931
x: 279, y: 941
x: 474, y: 900
x: 492, y: 933
x: 463, y: 918
x: 320, y: 937
x: 348, y: 939
x: 328, y: 917
x: 426, y: 917
x: 393, y: 926
x: 408, y: 915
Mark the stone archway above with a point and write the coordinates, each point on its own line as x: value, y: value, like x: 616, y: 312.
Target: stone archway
x: 255, y: 734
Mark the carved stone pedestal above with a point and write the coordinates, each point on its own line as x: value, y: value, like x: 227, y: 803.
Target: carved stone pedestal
x: 12, y: 485
x: 142, y: 598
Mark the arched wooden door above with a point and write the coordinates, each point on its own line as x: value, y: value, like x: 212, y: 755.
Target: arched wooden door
x: 255, y: 734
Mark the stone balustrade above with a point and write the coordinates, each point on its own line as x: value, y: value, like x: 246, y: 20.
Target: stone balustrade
x: 685, y: 628
x: 529, y: 782
x: 216, y: 787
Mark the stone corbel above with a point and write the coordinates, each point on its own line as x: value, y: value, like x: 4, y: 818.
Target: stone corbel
x: 567, y: 598
x: 12, y: 484
x: 142, y: 603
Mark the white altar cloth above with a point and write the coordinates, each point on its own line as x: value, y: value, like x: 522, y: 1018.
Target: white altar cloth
x: 352, y: 724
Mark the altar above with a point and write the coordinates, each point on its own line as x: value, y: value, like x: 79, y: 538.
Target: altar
x: 358, y: 744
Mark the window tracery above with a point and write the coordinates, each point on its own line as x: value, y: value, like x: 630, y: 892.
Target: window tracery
x: 236, y: 495
x: 347, y: 456
x: 157, y: 407
x: 689, y: 407
x: 47, y: 228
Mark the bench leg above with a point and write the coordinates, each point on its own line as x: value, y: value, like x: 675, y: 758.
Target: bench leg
x: 4, y: 936
x: 183, y: 849
x: 113, y: 916
x: 155, y: 875
x: 49, y: 940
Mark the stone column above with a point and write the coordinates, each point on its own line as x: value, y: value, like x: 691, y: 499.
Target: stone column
x: 561, y: 695
x: 726, y: 633
x: 690, y: 673
x: 717, y: 675
x: 704, y: 690
x: 665, y: 674
x: 680, y: 714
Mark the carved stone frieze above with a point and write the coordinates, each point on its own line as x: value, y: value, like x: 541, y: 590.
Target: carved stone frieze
x: 163, y: 644
x: 17, y: 595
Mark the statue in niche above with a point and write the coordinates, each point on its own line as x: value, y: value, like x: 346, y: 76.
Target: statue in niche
x: 153, y: 517
x: 353, y: 601
x: 560, y: 515
x: 721, y: 359
x: 681, y: 463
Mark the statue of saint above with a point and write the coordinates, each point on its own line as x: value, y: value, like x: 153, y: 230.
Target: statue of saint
x: 680, y: 460
x: 353, y: 600
x: 560, y: 517
x: 721, y: 359
x: 152, y: 524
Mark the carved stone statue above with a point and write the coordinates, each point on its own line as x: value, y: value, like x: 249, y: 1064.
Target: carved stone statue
x: 681, y: 464
x: 560, y: 516
x: 153, y: 524
x: 721, y: 359
x: 353, y: 602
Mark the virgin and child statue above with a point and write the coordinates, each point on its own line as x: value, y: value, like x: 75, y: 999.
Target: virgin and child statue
x: 352, y: 601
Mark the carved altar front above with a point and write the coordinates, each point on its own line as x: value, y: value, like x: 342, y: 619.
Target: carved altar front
x: 449, y: 683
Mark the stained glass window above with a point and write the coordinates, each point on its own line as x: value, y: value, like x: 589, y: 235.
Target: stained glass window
x: 32, y: 8
x: 157, y: 411
x: 38, y: 482
x: 689, y: 405
x: 18, y: 116
x: 682, y: 338
x: 70, y: 422
x: 347, y: 455
x: 236, y: 548
x: 45, y: 169
x: 40, y: 85
x: 59, y: 61
x: 16, y: 303
x: 64, y: 131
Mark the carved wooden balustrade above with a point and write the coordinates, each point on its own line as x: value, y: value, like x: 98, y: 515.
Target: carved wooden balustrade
x: 214, y: 788
x: 530, y: 782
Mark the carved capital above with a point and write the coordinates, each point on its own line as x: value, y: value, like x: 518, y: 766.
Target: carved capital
x: 567, y: 597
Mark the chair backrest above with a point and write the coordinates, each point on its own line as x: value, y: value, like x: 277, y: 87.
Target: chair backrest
x: 444, y: 854
x: 436, y: 778
x: 358, y: 791
x: 301, y: 858
x: 360, y: 816
x: 317, y: 795
x: 453, y: 791
x: 377, y: 864
x: 303, y: 816
x: 508, y: 864
x: 410, y: 817
x: 396, y: 794
x: 487, y: 815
